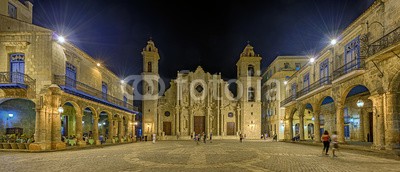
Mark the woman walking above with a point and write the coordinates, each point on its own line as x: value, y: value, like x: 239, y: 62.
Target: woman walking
x: 325, y: 139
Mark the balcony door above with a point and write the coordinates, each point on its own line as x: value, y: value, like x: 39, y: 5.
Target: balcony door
x: 324, y: 72
x: 17, y: 68
x: 70, y: 75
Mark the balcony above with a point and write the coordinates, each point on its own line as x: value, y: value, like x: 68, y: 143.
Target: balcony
x: 288, y: 100
x: 349, y: 70
x: 80, y: 89
x: 320, y: 85
x: 386, y: 41
x: 15, y: 80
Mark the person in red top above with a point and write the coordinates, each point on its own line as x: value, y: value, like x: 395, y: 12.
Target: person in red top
x: 326, y: 140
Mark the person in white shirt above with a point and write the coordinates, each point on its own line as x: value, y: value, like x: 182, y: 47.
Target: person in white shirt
x: 335, y: 143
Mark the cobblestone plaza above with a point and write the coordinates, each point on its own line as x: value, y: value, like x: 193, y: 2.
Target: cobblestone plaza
x: 221, y: 155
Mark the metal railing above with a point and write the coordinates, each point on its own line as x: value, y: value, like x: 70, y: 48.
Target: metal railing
x: 288, y: 100
x: 63, y: 80
x: 356, y: 64
x: 16, y: 78
x: 321, y: 82
x: 384, y: 42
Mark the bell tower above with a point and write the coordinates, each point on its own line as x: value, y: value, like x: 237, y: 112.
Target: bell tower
x: 150, y: 82
x: 249, y: 76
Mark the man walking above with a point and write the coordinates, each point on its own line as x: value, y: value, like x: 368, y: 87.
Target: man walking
x: 211, y: 137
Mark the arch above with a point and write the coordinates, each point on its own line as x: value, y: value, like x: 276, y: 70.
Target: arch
x: 292, y: 112
x: 74, y: 105
x: 395, y: 83
x: 250, y: 70
x: 250, y: 94
x: 349, y: 89
x: 17, y: 113
x: 325, y: 100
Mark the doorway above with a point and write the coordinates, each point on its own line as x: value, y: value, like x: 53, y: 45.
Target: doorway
x: 199, y: 126
x: 230, y: 127
x: 167, y: 128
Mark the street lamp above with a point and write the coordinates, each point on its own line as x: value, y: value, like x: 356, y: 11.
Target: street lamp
x: 333, y: 41
x: 98, y: 64
x: 360, y: 103
x: 60, y: 109
x: 312, y: 59
x: 285, y: 82
x: 313, y: 118
x: 60, y: 39
x: 10, y: 116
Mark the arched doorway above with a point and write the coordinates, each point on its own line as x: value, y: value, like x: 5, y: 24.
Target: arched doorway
x: 68, y: 121
x: 87, y: 124
x: 308, y: 122
x: 327, y: 116
x: 358, y: 116
x: 104, y: 125
x: 17, y: 116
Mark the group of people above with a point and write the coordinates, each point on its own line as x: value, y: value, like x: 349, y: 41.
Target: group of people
x: 198, y: 137
x: 274, y: 137
x: 327, y: 139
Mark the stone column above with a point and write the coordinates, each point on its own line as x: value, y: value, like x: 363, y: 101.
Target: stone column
x: 340, y: 121
x: 55, y: 118
x: 177, y: 120
x: 317, y: 126
x: 379, y: 125
x: 290, y: 127
x: 96, y: 129
x: 218, y: 120
x: 392, y: 131
x: 110, y: 129
x: 40, y: 127
x: 78, y: 126
x: 208, y: 121
x: 301, y: 118
x: 120, y: 130
x: 361, y: 125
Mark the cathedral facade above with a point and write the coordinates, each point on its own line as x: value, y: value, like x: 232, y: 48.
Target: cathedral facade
x: 198, y: 101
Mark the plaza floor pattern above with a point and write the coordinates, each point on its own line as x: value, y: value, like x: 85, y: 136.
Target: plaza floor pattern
x: 221, y: 155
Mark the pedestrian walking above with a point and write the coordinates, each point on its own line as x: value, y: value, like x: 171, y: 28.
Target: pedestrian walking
x: 241, y: 138
x: 335, y: 143
x: 154, y: 138
x: 211, y: 137
x: 204, y: 137
x: 197, y: 139
x: 325, y: 140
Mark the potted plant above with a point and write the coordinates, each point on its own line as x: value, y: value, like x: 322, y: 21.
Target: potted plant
x: 1, y: 142
x: 13, y: 141
x: 21, y: 142
x: 6, y: 143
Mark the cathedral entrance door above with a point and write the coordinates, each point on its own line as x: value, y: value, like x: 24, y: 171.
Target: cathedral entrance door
x: 167, y: 128
x: 199, y: 126
x: 230, y: 128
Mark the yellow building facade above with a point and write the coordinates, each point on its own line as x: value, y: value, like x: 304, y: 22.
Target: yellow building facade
x: 352, y: 85
x: 274, y: 81
x: 74, y: 99
x: 198, y: 101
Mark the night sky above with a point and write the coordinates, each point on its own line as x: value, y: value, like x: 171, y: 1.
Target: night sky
x: 192, y: 33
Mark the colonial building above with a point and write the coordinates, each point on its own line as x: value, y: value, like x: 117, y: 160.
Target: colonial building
x: 273, y: 92
x: 53, y: 91
x: 352, y: 87
x: 198, y: 101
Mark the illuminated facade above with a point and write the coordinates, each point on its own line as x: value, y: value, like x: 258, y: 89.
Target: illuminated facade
x: 200, y: 102
x: 70, y: 96
x: 352, y: 87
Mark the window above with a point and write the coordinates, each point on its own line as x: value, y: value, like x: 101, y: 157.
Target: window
x: 167, y: 113
x: 12, y: 11
x: 293, y: 89
x: 125, y: 101
x: 149, y: 67
x: 250, y: 94
x: 298, y: 66
x: 306, y: 80
x: 70, y: 75
x: 250, y: 70
x: 324, y: 71
x: 17, y: 67
x: 199, y: 88
x: 286, y: 65
x: 230, y: 115
x: 352, y: 54
x: 104, y: 89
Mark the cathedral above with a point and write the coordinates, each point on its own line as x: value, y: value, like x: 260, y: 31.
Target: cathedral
x: 198, y: 101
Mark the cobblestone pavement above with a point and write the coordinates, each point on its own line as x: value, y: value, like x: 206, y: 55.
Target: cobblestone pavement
x: 221, y: 155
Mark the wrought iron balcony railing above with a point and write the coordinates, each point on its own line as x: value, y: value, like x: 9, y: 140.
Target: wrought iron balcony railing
x: 387, y: 40
x: 356, y: 64
x: 63, y: 80
x: 10, y: 78
x: 288, y: 100
x: 321, y: 82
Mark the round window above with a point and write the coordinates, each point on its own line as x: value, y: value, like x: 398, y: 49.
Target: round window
x: 167, y: 113
x: 230, y: 114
